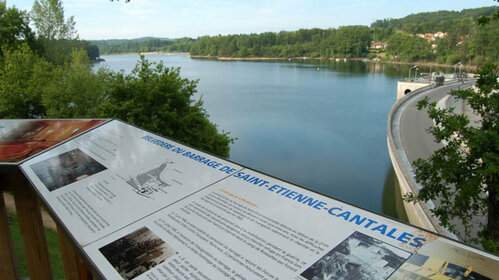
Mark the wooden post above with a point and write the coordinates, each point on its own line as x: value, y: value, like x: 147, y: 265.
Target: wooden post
x: 32, y: 231
x: 8, y: 263
x: 83, y: 271
x: 74, y: 267
x: 68, y: 256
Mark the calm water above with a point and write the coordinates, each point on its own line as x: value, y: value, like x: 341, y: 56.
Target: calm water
x: 319, y: 125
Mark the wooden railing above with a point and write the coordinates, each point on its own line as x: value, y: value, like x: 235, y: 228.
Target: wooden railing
x: 33, y: 236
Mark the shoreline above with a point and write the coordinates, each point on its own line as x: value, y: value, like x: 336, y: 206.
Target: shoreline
x: 228, y: 58
x: 433, y: 64
x: 419, y: 63
x: 139, y: 53
x: 225, y: 58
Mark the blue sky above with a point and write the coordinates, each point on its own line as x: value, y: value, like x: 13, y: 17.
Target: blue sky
x: 102, y: 19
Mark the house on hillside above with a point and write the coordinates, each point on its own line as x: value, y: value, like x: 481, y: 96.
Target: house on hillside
x: 432, y: 36
x: 440, y: 34
x: 378, y: 45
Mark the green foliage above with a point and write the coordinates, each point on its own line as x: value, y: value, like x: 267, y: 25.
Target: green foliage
x: 433, y: 21
x: 48, y: 18
x: 465, y: 42
x: 22, y: 77
x: 146, y: 44
x: 57, y: 35
x: 75, y: 91
x: 153, y: 97
x: 464, y: 175
x: 381, y: 34
x: 158, y: 99
x: 14, y: 28
x: 408, y: 48
x: 63, y: 85
x: 347, y: 41
x: 91, y: 50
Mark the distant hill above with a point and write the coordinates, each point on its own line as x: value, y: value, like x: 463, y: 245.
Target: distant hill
x: 463, y: 41
x: 123, y: 41
x: 144, y: 44
x: 434, y: 21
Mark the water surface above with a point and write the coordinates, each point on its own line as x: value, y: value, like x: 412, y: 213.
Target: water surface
x: 321, y: 125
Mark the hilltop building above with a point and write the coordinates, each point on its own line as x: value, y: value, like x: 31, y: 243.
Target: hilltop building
x: 378, y: 45
x: 432, y: 36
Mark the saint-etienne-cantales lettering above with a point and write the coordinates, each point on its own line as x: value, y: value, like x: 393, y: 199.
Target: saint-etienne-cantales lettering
x: 307, y: 200
x: 337, y: 212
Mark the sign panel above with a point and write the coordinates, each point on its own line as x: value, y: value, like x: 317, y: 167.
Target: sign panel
x: 109, y: 177
x: 251, y: 226
x: 20, y: 139
x: 145, y: 207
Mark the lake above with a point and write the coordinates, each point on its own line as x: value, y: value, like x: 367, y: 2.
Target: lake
x: 321, y: 125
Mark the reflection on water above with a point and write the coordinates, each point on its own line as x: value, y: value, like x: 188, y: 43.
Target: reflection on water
x: 392, y: 199
x: 351, y: 67
x: 319, y: 124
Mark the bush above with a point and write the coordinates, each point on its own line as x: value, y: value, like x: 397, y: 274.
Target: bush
x: 156, y: 98
x: 453, y: 59
x: 153, y: 97
x: 479, y: 60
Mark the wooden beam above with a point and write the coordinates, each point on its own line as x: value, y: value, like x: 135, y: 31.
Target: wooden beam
x: 32, y: 231
x: 83, y: 271
x: 74, y: 267
x: 69, y: 256
x: 8, y: 267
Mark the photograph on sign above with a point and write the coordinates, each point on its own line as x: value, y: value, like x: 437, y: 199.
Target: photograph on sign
x: 424, y: 267
x: 359, y: 257
x: 20, y: 139
x: 136, y: 253
x: 66, y: 168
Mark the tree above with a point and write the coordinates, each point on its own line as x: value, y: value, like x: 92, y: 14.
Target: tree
x: 48, y: 18
x: 75, y: 91
x: 92, y: 50
x: 408, y: 48
x: 14, y: 28
x: 57, y: 35
x: 23, y: 74
x: 464, y: 175
x: 484, y: 20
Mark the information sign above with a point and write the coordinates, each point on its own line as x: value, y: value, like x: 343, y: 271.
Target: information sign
x: 145, y: 207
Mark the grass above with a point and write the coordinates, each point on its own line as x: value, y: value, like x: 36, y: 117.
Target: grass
x: 52, y: 244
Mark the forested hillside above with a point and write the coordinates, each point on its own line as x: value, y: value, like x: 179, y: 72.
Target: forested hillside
x: 347, y: 41
x: 433, y: 21
x: 462, y: 40
x: 145, y: 44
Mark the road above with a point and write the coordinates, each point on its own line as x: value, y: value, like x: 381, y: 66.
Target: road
x: 417, y: 142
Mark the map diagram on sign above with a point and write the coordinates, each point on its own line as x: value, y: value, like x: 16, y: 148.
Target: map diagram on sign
x: 150, y: 182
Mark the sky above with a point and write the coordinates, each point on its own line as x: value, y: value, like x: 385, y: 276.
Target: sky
x: 102, y: 19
